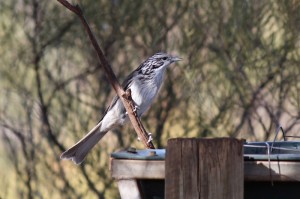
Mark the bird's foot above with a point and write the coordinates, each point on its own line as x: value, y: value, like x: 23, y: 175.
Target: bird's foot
x: 150, y: 138
x: 135, y: 108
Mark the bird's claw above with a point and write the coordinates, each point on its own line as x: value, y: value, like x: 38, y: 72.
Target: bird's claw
x: 150, y: 138
x: 135, y: 108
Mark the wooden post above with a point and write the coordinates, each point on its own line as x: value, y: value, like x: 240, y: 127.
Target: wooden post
x: 204, y: 169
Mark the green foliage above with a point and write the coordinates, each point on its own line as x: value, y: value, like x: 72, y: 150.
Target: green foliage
x: 239, y: 77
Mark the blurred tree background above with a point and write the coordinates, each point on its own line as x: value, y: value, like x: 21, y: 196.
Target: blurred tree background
x: 240, y: 77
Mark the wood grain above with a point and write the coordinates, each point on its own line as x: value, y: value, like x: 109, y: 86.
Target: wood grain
x: 204, y: 168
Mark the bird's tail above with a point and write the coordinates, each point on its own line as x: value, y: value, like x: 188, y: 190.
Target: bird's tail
x: 78, y: 152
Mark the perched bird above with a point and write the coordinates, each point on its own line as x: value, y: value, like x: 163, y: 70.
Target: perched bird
x: 144, y: 83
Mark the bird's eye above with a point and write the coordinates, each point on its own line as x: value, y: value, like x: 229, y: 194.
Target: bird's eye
x: 164, y: 58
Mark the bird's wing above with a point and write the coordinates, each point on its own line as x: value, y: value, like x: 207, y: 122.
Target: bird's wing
x: 126, y: 84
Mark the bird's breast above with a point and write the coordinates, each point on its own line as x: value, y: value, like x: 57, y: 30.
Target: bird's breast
x: 143, y: 95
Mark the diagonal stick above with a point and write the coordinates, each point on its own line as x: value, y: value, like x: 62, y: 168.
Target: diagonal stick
x: 124, y: 96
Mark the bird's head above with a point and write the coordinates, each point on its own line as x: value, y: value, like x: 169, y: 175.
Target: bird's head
x: 158, y: 62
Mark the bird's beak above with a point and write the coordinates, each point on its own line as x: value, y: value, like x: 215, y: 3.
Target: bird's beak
x: 174, y: 59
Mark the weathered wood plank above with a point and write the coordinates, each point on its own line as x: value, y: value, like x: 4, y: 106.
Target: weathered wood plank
x: 137, y: 169
x: 253, y: 170
x: 174, y: 151
x: 204, y: 168
x: 129, y: 189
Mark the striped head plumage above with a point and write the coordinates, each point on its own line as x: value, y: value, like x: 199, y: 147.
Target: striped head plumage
x: 156, y: 63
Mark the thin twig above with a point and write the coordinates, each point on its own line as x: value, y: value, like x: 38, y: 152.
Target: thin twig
x: 124, y: 96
